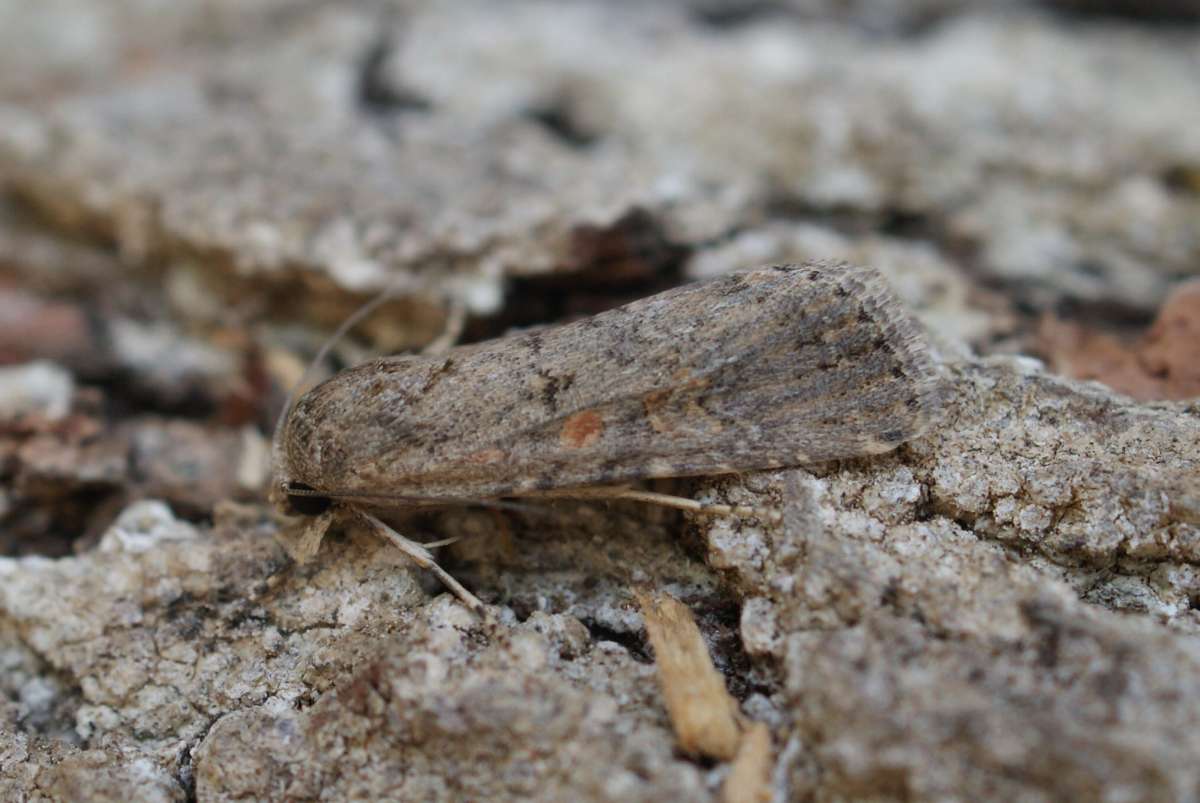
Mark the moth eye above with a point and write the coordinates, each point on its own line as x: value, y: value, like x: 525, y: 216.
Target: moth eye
x: 304, y: 504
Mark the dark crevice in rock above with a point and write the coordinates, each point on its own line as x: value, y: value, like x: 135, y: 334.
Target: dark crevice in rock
x: 1147, y: 12
x: 1111, y: 314
x: 891, y: 20
x: 1182, y: 178
x: 906, y: 224
x: 723, y: 15
x: 559, y: 121
x: 522, y: 609
x: 719, y: 619
x: 185, y: 776
x: 126, y: 396
x: 608, y: 266
x: 377, y: 94
x: 634, y: 643
x: 51, y: 524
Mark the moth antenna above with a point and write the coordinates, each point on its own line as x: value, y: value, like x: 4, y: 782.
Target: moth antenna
x: 402, y: 282
x: 456, y: 322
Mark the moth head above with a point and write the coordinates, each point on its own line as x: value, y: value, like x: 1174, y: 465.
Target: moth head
x: 287, y: 496
x: 279, y: 499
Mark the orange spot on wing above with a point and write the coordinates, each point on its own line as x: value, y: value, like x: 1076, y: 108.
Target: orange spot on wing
x: 654, y: 404
x: 582, y: 429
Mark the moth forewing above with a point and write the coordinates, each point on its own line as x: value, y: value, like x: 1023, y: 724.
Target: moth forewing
x: 771, y: 367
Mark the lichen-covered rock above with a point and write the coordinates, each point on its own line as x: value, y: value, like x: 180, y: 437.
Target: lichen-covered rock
x: 168, y: 635
x: 347, y: 144
x: 461, y: 713
x: 163, y: 627
x: 929, y: 609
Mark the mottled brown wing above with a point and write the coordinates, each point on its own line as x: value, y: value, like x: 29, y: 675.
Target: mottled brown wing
x: 778, y: 366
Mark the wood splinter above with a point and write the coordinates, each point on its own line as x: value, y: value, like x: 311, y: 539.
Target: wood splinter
x: 706, y: 719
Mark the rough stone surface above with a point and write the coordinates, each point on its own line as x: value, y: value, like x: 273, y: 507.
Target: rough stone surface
x: 349, y: 145
x: 930, y: 612
x: 193, y: 194
x: 458, y: 720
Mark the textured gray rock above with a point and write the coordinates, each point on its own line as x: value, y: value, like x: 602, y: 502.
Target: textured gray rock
x: 487, y: 141
x: 166, y: 638
x: 930, y: 611
x: 444, y: 718
x: 192, y: 193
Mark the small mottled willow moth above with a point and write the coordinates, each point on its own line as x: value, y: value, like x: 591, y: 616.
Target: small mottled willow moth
x: 779, y: 366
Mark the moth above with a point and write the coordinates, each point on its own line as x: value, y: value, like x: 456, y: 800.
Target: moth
x: 780, y: 366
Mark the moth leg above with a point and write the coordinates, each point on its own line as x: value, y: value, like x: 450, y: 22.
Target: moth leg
x: 420, y: 556
x: 664, y: 500
x: 442, y: 542
x: 684, y: 503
